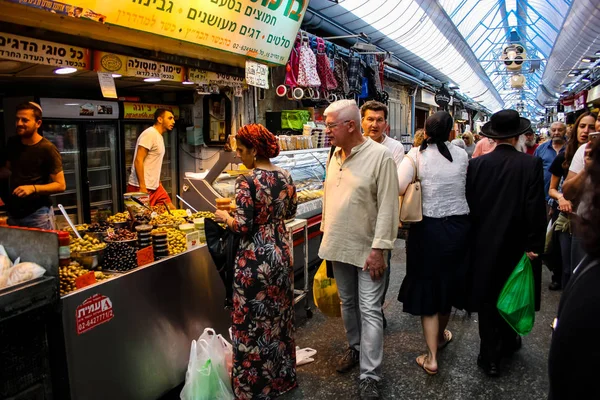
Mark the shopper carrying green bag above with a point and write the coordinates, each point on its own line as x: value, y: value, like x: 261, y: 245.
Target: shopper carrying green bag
x: 516, y: 303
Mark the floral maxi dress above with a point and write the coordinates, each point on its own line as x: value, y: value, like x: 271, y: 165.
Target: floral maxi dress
x: 264, y: 352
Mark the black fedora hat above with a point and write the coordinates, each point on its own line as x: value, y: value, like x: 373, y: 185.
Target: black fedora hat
x: 505, y: 124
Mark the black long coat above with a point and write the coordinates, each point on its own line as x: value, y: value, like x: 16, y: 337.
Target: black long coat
x: 505, y: 192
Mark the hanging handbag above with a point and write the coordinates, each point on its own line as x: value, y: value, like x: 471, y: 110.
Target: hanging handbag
x: 223, y: 245
x: 411, y: 203
x: 307, y: 68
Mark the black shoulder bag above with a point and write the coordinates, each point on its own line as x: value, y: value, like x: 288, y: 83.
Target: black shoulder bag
x: 223, y: 245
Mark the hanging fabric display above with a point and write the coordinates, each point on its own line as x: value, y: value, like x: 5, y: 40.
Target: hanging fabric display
x: 291, y: 69
x: 324, y: 71
x: 307, y: 68
x: 340, y: 71
x: 355, y: 74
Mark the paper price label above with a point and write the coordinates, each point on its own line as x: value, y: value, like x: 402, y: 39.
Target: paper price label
x: 145, y: 256
x: 85, y: 280
x: 193, y: 240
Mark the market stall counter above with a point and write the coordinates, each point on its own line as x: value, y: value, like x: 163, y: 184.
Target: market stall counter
x: 307, y: 168
x: 129, y: 337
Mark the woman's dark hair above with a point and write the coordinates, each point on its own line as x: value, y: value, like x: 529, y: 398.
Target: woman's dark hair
x: 437, y: 128
x: 589, y: 223
x: 573, y: 143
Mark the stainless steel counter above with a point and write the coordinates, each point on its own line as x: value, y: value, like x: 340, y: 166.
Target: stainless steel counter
x: 131, y: 340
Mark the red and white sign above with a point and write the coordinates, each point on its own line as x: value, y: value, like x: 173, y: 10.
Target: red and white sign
x: 94, y: 311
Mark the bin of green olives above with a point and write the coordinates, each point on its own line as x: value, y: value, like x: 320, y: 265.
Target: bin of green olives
x: 88, y: 251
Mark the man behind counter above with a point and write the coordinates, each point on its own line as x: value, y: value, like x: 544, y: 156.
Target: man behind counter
x: 31, y: 171
x: 148, y: 158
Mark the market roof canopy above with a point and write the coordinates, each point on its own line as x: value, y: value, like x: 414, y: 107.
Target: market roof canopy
x: 461, y: 42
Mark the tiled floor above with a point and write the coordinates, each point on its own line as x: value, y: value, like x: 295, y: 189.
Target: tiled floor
x: 524, y: 377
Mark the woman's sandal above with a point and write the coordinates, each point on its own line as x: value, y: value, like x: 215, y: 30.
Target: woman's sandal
x: 447, y: 339
x: 421, y: 360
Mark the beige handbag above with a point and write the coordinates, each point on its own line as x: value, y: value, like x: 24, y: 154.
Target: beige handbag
x: 411, y: 203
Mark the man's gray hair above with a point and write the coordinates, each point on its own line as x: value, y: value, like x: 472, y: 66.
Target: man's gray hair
x: 346, y: 110
x: 559, y: 123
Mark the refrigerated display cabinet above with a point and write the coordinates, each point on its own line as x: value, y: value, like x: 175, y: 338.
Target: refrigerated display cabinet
x: 85, y: 133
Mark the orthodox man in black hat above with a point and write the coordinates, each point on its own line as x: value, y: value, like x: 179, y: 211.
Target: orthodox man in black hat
x: 505, y: 192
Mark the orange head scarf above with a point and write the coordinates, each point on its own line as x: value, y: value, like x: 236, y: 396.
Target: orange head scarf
x: 259, y: 138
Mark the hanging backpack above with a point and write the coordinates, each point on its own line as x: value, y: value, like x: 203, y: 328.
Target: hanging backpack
x: 328, y: 81
x: 307, y: 68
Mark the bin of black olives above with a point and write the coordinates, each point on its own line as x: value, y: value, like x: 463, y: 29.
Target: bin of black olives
x: 121, y: 251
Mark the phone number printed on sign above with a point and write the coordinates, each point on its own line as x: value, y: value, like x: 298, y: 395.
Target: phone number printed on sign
x: 94, y: 311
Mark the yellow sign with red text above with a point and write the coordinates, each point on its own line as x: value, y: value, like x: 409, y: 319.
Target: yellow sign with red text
x: 146, y: 111
x: 262, y: 29
x: 138, y: 67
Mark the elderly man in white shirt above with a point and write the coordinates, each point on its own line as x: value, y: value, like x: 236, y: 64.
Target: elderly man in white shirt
x: 360, y: 224
x: 374, y: 123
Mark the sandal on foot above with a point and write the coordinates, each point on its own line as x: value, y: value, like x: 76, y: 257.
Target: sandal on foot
x: 447, y: 339
x: 421, y: 360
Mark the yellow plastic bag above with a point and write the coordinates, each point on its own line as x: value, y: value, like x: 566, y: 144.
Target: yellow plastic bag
x: 325, y: 293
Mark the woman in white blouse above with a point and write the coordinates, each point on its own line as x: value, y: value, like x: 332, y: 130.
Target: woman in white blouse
x: 436, y: 246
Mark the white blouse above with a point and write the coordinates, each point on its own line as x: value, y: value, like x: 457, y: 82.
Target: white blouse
x: 443, y: 182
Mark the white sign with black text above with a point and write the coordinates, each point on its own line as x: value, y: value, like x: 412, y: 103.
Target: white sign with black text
x: 257, y: 74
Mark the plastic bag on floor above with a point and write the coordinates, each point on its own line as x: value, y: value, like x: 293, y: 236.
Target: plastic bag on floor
x: 209, y: 369
x: 304, y: 356
x: 325, y: 293
x: 516, y: 302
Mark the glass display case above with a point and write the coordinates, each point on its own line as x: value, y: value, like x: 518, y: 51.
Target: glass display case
x: 307, y: 168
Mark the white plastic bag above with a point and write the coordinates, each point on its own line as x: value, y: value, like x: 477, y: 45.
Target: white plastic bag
x: 209, y: 369
x: 4, y: 279
x: 24, y: 272
x: 5, y: 263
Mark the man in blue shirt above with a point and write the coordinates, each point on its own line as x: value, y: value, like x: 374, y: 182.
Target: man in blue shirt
x: 549, y: 150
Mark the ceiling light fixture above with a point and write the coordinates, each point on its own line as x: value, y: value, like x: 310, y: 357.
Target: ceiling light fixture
x: 188, y: 83
x: 152, y: 80
x: 65, y: 70
x: 116, y: 75
x: 598, y: 53
x: 572, y: 74
x: 586, y: 79
x: 586, y: 60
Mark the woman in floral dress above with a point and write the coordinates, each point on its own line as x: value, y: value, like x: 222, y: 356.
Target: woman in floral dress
x: 264, y: 351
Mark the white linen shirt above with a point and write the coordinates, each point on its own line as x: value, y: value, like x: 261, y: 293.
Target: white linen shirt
x: 443, y: 182
x: 360, y: 204
x: 395, y: 147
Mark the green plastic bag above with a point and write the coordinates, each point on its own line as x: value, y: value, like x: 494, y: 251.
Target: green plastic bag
x: 294, y: 119
x: 516, y: 303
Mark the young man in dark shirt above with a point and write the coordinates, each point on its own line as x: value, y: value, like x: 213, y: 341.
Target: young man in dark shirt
x: 31, y: 171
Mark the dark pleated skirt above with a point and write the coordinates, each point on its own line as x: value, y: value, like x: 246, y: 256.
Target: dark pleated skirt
x: 436, y: 264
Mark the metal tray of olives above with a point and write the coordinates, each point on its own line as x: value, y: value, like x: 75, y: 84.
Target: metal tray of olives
x: 89, y: 259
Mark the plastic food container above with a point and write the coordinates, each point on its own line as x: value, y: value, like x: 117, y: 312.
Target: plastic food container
x: 186, y: 228
x: 223, y: 203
